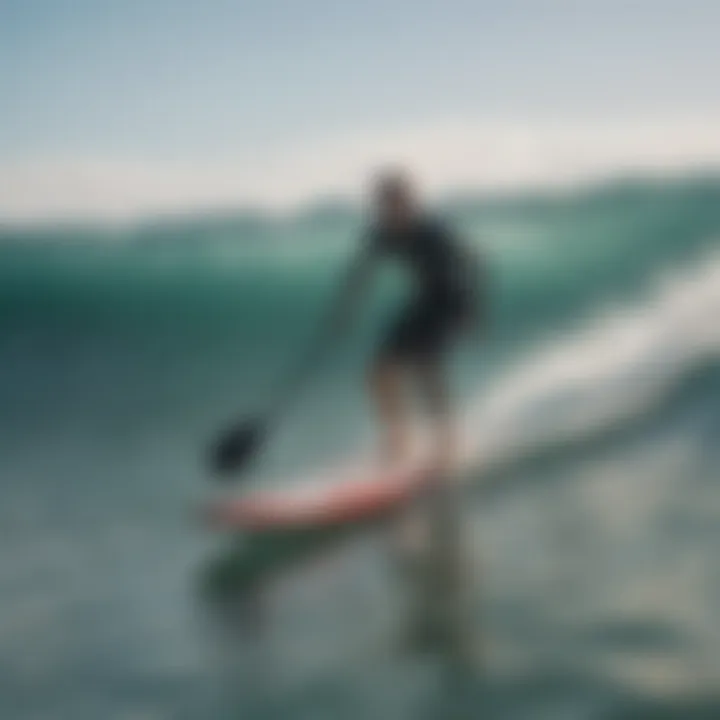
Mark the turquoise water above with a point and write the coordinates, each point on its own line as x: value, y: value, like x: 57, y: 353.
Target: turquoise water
x: 593, y: 407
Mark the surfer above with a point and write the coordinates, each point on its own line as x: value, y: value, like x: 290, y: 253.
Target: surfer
x: 444, y: 305
x: 446, y: 302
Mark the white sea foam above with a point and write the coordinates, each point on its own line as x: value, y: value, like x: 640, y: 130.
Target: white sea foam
x: 615, y: 369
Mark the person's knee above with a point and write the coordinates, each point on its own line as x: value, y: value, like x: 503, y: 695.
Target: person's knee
x: 382, y: 376
x: 385, y: 380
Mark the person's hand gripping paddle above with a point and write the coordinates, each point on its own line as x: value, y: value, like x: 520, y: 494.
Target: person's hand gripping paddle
x: 240, y: 444
x: 236, y: 448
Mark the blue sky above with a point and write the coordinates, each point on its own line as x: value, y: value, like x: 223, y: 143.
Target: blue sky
x: 170, y: 84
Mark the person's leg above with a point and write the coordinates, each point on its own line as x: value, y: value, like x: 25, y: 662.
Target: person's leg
x: 435, y: 396
x: 425, y: 539
x: 445, y: 581
x: 386, y: 385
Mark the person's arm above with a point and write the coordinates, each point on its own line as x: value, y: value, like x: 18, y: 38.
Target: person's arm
x: 348, y: 296
x: 344, y: 304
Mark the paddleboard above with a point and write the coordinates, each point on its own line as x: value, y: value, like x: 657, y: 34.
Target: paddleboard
x: 351, y: 497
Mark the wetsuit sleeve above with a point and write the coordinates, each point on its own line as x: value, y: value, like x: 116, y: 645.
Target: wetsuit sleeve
x: 468, y: 270
x: 470, y: 277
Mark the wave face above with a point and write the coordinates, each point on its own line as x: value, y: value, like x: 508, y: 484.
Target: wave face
x: 553, y: 257
x: 592, y: 406
x: 228, y: 301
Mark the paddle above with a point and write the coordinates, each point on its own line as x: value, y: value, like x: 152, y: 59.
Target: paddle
x: 237, y: 447
x: 240, y: 444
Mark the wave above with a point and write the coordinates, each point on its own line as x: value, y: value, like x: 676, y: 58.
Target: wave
x: 554, y: 258
x: 632, y: 366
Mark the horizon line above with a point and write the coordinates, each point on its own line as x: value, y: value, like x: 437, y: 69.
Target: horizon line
x: 448, y: 158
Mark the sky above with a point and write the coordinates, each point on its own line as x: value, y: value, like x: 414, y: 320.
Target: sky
x: 114, y: 109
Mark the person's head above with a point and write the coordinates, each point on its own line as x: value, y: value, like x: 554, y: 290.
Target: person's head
x: 394, y: 198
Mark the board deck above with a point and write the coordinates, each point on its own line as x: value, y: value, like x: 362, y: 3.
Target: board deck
x: 356, y: 496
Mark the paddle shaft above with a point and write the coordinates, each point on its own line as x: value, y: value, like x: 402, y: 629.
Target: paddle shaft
x: 295, y: 382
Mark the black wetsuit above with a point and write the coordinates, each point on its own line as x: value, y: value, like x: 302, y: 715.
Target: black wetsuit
x: 445, y: 284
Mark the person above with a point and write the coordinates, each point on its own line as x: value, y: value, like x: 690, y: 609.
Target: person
x: 445, y: 304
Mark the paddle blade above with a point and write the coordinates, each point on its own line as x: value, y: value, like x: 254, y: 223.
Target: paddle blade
x: 237, y: 447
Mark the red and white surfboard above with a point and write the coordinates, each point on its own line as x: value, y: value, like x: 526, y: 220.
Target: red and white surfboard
x: 356, y: 496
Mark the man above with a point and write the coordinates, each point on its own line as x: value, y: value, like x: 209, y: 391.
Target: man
x: 445, y: 303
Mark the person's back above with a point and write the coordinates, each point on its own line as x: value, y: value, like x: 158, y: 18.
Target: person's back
x: 433, y: 255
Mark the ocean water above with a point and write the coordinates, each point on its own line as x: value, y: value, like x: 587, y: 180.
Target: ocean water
x: 593, y: 507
